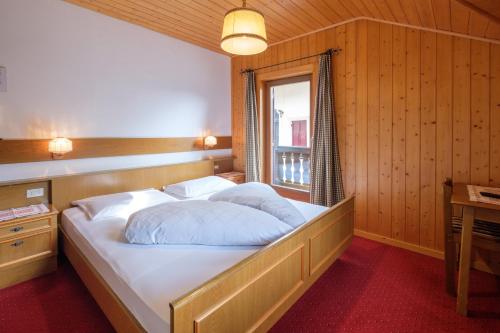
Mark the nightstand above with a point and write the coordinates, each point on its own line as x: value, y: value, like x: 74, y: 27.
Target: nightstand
x: 28, y: 247
x: 235, y: 176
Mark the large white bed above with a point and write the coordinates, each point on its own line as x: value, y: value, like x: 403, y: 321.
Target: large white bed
x: 147, y: 278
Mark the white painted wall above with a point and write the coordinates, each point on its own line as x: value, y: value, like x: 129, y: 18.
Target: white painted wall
x: 77, y: 73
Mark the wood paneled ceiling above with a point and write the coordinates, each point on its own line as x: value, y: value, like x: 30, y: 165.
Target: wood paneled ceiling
x: 200, y: 21
x: 488, y: 7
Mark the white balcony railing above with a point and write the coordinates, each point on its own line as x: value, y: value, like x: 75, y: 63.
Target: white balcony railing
x: 291, y: 167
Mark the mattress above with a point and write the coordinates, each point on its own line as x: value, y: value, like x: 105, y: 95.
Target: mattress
x: 147, y: 278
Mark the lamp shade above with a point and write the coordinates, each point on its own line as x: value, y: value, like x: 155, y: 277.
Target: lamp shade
x: 210, y: 141
x: 244, y: 32
x: 60, y: 146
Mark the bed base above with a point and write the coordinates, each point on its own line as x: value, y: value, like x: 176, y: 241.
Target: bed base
x: 116, y: 312
x: 250, y: 296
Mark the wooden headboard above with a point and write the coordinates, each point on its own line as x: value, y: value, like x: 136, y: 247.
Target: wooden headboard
x: 69, y: 188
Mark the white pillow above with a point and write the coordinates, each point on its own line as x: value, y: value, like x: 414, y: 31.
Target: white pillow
x: 121, y: 205
x: 200, y: 186
x: 262, y: 197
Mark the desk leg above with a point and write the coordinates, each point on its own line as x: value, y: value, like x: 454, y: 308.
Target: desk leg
x: 465, y: 258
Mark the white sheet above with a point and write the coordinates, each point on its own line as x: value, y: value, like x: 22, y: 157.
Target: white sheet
x: 148, y: 277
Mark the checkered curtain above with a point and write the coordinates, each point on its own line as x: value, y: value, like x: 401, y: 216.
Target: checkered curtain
x: 326, y: 175
x: 252, y: 131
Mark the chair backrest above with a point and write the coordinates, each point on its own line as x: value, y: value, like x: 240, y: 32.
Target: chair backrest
x: 447, y: 210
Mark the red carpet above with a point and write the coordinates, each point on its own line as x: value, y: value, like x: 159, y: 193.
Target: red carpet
x: 373, y: 288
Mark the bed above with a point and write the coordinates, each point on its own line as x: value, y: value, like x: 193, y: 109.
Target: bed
x: 207, y: 285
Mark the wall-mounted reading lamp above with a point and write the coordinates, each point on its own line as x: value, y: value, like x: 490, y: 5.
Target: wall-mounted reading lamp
x: 210, y: 141
x: 60, y: 146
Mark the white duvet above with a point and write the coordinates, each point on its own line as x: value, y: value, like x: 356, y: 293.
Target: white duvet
x: 205, y: 223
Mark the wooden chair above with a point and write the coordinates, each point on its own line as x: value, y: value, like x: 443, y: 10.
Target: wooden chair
x: 485, y: 235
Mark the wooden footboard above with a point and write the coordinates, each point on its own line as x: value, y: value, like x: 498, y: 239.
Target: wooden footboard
x: 255, y: 293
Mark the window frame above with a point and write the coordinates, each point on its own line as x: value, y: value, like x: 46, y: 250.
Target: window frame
x: 264, y: 81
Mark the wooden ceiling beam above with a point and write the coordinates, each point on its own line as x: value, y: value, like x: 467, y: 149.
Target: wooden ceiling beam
x: 489, y: 9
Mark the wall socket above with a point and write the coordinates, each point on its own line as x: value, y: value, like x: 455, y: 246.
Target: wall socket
x: 34, y: 192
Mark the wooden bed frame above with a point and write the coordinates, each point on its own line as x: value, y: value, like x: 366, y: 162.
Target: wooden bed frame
x: 251, y: 295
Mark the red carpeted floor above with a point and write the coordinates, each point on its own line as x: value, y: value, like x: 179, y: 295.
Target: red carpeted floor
x: 372, y: 288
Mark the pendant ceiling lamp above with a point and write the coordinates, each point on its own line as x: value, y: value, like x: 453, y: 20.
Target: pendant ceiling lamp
x: 244, y: 31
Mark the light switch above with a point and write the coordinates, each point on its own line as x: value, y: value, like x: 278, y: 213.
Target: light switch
x: 34, y: 192
x: 3, y: 79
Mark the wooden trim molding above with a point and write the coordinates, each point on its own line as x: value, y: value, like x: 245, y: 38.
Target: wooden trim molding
x: 36, y: 150
x: 411, y: 26
x: 401, y: 244
x: 477, y: 262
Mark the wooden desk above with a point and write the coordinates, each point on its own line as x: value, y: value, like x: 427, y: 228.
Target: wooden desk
x: 470, y: 210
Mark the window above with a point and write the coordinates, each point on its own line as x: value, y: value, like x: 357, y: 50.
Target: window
x: 290, y: 132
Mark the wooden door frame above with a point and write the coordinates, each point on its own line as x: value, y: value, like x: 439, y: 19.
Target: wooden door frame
x: 262, y: 83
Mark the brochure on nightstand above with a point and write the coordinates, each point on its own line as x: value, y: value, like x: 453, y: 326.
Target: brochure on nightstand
x: 13, y: 213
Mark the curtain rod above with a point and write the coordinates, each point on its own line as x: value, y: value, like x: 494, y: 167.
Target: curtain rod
x: 329, y: 51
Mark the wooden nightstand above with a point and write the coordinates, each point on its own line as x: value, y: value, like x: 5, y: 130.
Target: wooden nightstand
x: 235, y: 176
x: 28, y: 247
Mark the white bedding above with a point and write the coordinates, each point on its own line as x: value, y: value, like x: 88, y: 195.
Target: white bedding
x: 204, y: 222
x: 148, y: 277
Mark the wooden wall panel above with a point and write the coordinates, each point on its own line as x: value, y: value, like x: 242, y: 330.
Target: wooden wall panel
x: 444, y: 126
x: 339, y: 63
x: 428, y: 139
x: 35, y: 150
x: 385, y: 128
x: 350, y: 86
x: 413, y: 107
x: 412, y: 133
x: 398, y: 131
x: 361, y: 165
x: 480, y: 112
x: 373, y: 130
x: 461, y: 109
x: 495, y: 115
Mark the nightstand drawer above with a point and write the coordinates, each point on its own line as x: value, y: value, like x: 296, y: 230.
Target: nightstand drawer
x: 24, y: 247
x: 21, y: 228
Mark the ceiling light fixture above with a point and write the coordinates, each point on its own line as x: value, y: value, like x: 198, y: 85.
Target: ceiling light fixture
x: 244, y: 31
